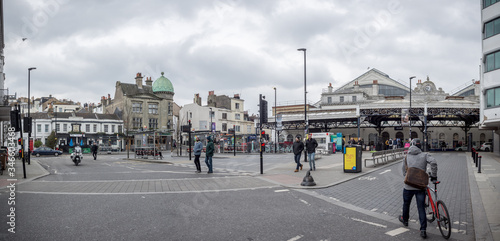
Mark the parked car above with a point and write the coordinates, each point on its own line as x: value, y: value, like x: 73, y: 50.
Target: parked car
x: 485, y: 146
x: 46, y: 151
x: 464, y: 148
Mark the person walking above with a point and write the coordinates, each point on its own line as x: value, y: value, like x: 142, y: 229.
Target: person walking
x: 298, y: 147
x: 198, y: 147
x: 391, y: 144
x: 417, y: 158
x: 94, y: 150
x: 209, y: 154
x: 311, y: 145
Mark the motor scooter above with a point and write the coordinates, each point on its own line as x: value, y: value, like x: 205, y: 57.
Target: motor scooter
x: 77, y: 156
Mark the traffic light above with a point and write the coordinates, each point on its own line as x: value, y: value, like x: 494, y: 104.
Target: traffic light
x: 21, y: 153
x: 262, y: 133
x: 27, y: 124
x: 263, y: 109
x: 15, y: 120
x: 20, y: 141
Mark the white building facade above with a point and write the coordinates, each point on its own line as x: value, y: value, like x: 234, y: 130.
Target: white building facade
x: 490, y: 69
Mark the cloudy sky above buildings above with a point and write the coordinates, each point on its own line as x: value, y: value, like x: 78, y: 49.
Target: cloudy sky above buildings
x: 81, y: 48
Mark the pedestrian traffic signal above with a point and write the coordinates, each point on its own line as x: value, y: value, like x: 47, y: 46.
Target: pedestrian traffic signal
x: 263, y: 144
x: 263, y: 132
x: 20, y: 141
x: 21, y: 153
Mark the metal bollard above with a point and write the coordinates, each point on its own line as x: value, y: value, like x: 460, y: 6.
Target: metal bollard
x: 479, y: 165
x: 475, y: 160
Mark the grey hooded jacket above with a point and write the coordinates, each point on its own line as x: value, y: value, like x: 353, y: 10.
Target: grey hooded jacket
x: 419, y: 159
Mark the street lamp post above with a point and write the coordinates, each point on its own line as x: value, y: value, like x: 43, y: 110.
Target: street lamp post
x: 275, y: 124
x: 305, y: 99
x: 409, y: 114
x: 29, y: 117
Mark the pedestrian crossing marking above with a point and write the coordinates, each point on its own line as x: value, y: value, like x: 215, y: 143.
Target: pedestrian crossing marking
x: 397, y: 231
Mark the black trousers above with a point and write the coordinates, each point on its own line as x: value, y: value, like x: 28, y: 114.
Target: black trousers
x: 197, y: 162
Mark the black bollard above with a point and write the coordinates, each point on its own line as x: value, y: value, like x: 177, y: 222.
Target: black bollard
x: 477, y: 157
x: 479, y: 165
x: 308, y: 180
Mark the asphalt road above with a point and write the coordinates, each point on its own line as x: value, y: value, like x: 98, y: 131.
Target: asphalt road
x: 341, y: 212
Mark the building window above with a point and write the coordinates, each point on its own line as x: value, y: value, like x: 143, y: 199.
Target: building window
x: 249, y: 129
x: 341, y: 98
x: 224, y: 116
x: 153, y: 123
x: 65, y: 127
x: 58, y: 128
x: 170, y: 109
x: 38, y: 128
x: 237, y: 116
x: 212, y: 114
x: 46, y: 127
x: 95, y: 127
x: 488, y: 3
x: 492, y: 28
x: 353, y: 98
x: 153, y: 109
x: 492, y: 61
x: 493, y: 97
x: 87, y: 128
x: 105, y: 128
x: 137, y: 122
x: 237, y: 128
x: 190, y: 115
x: 329, y: 100
x: 168, y: 124
x: 224, y: 126
x: 120, y: 129
x: 136, y: 107
x: 112, y: 128
x: 237, y: 106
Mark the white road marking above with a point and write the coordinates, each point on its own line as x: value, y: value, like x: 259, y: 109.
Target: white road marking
x: 385, y: 171
x: 296, y: 238
x: 373, y: 210
x: 282, y: 190
x: 371, y: 223
x: 304, y: 201
x: 397, y: 231
x: 367, y: 178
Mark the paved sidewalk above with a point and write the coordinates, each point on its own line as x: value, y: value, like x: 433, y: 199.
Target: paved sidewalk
x: 33, y: 171
x: 485, y: 195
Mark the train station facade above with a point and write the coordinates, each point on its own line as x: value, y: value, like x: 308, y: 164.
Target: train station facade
x: 377, y: 108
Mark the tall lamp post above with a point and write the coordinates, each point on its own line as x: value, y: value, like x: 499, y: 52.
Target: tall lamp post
x: 29, y: 117
x: 275, y: 124
x: 409, y: 114
x: 305, y: 98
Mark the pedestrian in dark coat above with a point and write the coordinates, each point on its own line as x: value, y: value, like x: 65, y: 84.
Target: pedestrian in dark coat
x: 298, y: 147
x: 94, y: 151
x: 311, y: 145
x: 209, y: 154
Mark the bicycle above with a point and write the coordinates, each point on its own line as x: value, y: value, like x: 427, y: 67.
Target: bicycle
x: 439, y: 211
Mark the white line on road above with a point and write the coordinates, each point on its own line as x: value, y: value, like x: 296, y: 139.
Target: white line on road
x: 371, y: 223
x: 385, y: 171
x: 304, y: 201
x: 282, y: 190
x: 296, y: 238
x: 397, y: 231
x: 373, y: 210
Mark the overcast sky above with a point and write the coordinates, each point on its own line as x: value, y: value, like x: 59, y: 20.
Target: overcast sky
x: 81, y: 48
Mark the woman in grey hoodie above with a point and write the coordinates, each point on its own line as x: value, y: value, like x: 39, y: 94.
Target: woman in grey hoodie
x: 198, y: 147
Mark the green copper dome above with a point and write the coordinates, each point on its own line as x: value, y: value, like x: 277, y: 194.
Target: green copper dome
x: 163, y: 84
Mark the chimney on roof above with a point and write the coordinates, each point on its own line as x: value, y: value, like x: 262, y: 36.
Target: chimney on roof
x: 138, y: 80
x: 330, y: 88
x: 149, y: 82
x: 356, y: 86
x: 237, y: 96
x: 197, y: 99
x: 375, y: 87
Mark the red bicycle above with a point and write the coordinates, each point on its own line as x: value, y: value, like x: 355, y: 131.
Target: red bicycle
x: 438, y: 211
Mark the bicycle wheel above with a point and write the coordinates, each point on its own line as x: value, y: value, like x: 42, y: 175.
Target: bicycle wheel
x: 444, y: 221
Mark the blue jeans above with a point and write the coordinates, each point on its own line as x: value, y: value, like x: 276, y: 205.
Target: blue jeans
x: 310, y: 157
x: 297, y: 160
x: 208, y: 161
x: 420, y: 197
